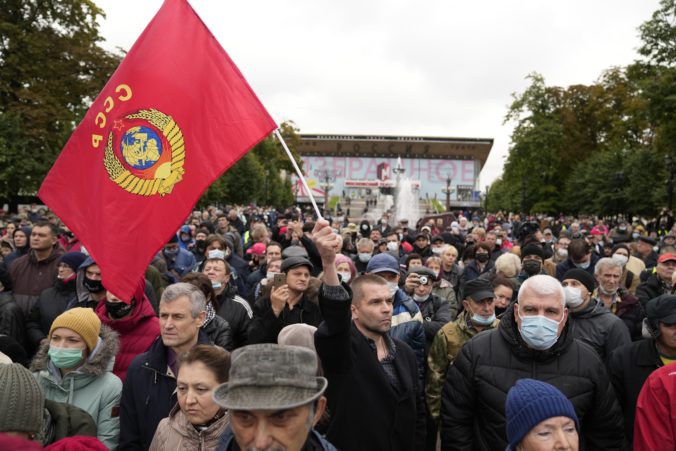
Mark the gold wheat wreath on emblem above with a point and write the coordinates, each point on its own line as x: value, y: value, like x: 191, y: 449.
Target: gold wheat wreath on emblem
x: 166, y: 176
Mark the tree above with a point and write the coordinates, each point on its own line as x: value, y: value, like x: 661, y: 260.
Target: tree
x: 51, y: 67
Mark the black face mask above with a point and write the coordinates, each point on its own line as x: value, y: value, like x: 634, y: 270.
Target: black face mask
x: 500, y: 310
x: 118, y: 310
x: 200, y: 245
x: 93, y: 286
x: 531, y: 267
x: 482, y: 258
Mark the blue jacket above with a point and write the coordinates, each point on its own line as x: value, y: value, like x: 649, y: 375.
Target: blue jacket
x: 407, y: 326
x: 315, y: 442
x: 147, y: 396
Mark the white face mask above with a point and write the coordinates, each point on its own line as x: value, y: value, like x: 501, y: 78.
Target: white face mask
x: 393, y: 287
x: 436, y: 250
x: 621, y: 258
x: 562, y: 253
x: 420, y: 297
x: 345, y: 276
x: 392, y: 246
x: 573, y: 296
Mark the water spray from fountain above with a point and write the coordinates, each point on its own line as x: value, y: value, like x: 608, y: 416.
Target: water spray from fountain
x: 406, y: 196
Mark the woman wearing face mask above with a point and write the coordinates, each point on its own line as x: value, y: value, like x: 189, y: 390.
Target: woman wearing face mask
x: 540, y: 418
x: 594, y: 324
x: 196, y: 422
x: 54, y: 300
x: 217, y: 329
x: 75, y: 367
x: 136, y: 323
x: 346, y: 269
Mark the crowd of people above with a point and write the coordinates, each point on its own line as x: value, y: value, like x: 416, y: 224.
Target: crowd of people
x: 262, y: 329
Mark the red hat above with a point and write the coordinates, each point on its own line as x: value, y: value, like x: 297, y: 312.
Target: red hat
x: 406, y: 246
x: 599, y: 230
x: 666, y: 258
x: 256, y: 249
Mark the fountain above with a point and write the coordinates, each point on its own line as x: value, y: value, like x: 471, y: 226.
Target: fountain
x: 406, y: 196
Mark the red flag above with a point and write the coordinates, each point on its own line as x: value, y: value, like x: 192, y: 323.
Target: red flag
x: 173, y: 117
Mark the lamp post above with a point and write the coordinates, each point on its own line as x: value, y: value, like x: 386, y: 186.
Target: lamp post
x: 447, y: 191
x: 327, y: 176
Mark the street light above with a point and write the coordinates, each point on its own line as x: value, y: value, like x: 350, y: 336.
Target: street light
x: 327, y: 176
x: 447, y: 191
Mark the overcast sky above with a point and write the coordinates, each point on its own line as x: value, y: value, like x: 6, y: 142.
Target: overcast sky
x: 427, y: 68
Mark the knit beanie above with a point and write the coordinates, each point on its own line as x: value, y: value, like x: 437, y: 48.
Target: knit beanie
x: 21, y: 399
x: 530, y: 402
x: 532, y: 249
x: 81, y: 320
x: 581, y: 276
x: 621, y: 246
x: 73, y: 259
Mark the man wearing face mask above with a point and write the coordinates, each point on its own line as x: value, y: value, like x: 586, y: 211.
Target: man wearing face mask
x: 645, y: 246
x: 534, y: 338
x: 580, y: 255
x: 532, y: 257
x: 594, y: 324
x: 178, y: 261
x: 407, y: 321
x: 393, y: 245
x: 90, y: 289
x: 364, y: 253
x: 435, y: 311
x: 560, y: 254
x: 478, y: 315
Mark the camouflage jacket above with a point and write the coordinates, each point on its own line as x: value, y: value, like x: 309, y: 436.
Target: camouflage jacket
x: 445, y: 347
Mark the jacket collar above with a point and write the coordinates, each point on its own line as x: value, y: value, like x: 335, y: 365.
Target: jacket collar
x: 156, y: 357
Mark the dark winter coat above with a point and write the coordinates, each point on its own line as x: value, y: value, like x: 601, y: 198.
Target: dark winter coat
x: 629, y: 367
x: 366, y: 413
x: 407, y: 326
x: 51, y: 303
x: 435, y: 312
x: 11, y: 318
x: 31, y: 277
x: 265, y: 326
x: 148, y: 395
x: 238, y: 313
x: 599, y: 328
x: 63, y: 420
x: 219, y: 332
x: 563, y: 267
x: 475, y: 391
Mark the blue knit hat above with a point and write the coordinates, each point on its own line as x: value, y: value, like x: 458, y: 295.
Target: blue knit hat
x: 530, y: 402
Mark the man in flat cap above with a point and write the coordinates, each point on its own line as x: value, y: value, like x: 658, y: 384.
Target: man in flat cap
x: 286, y: 304
x: 645, y: 247
x: 274, y: 398
x: 630, y: 365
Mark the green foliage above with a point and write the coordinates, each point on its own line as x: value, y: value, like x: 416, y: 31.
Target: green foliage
x: 51, y: 67
x: 601, y: 148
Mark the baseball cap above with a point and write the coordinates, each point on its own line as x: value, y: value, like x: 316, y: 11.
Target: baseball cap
x: 666, y: 257
x: 383, y: 262
x: 478, y: 289
x: 256, y: 249
x: 662, y: 309
x: 270, y: 377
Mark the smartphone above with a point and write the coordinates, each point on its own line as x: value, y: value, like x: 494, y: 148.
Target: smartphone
x: 279, y: 280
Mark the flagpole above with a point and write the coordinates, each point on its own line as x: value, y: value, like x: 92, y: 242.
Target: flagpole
x: 299, y: 173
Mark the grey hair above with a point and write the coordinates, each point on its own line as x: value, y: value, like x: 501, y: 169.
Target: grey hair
x: 508, y: 264
x: 198, y: 303
x: 543, y: 285
x: 365, y: 242
x: 607, y: 263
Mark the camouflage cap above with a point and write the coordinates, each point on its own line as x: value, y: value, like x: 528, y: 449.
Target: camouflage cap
x: 270, y: 377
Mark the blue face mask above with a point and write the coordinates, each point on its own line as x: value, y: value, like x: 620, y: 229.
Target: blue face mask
x: 216, y: 285
x: 479, y: 320
x: 539, y: 332
x: 364, y: 257
x: 584, y: 265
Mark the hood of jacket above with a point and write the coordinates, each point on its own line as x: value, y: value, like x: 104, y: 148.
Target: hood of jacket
x: 179, y: 423
x: 509, y: 331
x: 101, y: 360
x: 139, y: 313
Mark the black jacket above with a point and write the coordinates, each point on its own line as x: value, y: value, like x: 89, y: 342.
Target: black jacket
x: 475, y: 391
x: 11, y: 318
x: 147, y: 396
x: 237, y: 312
x: 51, y: 303
x: 435, y: 312
x: 219, y: 332
x: 567, y: 264
x: 599, y: 328
x: 366, y: 412
x: 265, y: 326
x: 629, y: 367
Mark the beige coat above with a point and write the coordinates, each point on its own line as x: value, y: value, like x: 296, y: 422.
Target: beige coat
x: 175, y: 433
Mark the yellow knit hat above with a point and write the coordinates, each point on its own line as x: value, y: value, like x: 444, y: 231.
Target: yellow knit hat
x: 82, y: 321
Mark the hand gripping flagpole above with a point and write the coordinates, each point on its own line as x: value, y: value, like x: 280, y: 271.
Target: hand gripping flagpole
x: 299, y: 172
